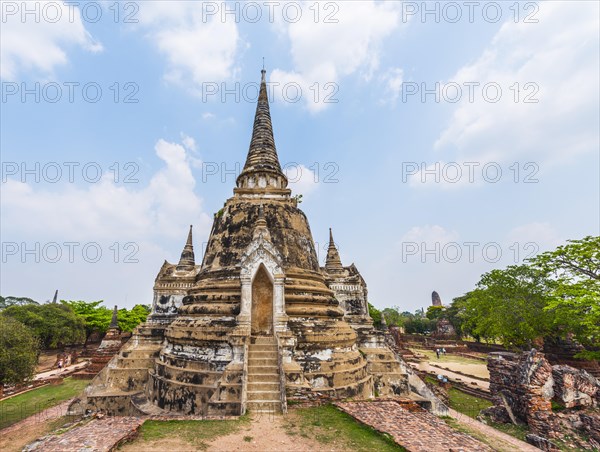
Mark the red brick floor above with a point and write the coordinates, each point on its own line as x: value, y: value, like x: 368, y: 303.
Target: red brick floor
x: 98, y: 435
x: 416, y: 430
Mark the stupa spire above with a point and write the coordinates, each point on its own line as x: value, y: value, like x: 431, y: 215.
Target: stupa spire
x: 114, y: 323
x: 333, y: 261
x: 262, y: 170
x: 187, y: 260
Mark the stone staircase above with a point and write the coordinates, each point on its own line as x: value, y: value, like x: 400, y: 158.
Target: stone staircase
x: 263, y: 388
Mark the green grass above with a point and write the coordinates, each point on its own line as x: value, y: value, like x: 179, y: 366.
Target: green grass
x: 198, y: 433
x: 327, y: 425
x: 448, y: 358
x: 466, y: 404
x: 24, y: 405
x: 471, y: 406
x: 518, y: 431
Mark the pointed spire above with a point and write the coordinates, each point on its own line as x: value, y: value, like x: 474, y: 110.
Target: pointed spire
x: 262, y: 169
x: 261, y: 222
x: 261, y: 228
x: 55, y: 296
x: 333, y: 261
x: 114, y: 323
x: 187, y: 261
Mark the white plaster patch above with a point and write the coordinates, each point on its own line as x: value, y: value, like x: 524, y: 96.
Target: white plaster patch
x: 323, y: 355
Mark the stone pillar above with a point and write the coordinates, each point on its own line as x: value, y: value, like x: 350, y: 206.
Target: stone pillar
x: 279, y: 316
x: 246, y: 301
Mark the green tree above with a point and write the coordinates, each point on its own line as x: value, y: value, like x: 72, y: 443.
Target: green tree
x: 128, y: 320
x: 5, y: 302
x: 575, y: 304
x: 508, y: 305
x: 375, y: 314
x: 18, y: 351
x: 435, y: 312
x: 54, y: 324
x: 95, y: 316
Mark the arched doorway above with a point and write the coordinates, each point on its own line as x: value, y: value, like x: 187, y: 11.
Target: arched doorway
x: 262, y: 303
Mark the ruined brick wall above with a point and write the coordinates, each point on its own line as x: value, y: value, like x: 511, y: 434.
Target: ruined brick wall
x: 523, y: 387
x: 521, y: 381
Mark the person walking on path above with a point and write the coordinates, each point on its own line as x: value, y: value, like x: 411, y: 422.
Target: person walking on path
x: 437, y: 353
x: 60, y: 364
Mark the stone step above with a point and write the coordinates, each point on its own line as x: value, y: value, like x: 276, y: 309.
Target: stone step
x: 263, y: 370
x: 263, y: 378
x: 264, y: 406
x: 262, y: 353
x: 272, y: 396
x: 130, y: 363
x: 254, y: 362
x: 262, y: 340
x: 262, y: 348
x: 272, y: 386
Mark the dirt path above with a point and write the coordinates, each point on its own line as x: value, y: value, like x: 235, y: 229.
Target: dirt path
x: 14, y: 437
x: 60, y: 373
x: 452, y: 376
x: 502, y: 441
x: 265, y: 433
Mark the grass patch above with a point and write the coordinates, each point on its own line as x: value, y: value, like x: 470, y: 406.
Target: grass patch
x: 24, y: 405
x: 448, y: 358
x: 197, y: 433
x: 466, y: 404
x: 471, y: 406
x: 327, y: 425
x: 248, y: 439
x: 517, y: 431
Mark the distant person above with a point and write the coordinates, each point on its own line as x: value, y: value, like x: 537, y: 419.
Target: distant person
x: 443, y: 351
x: 437, y: 353
x: 60, y: 365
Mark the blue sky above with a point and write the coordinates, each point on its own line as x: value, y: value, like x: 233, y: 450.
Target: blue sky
x: 533, y: 116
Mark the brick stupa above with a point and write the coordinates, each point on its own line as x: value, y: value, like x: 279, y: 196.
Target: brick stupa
x: 258, y: 323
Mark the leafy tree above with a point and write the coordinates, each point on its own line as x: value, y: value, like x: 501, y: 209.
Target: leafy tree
x: 419, y: 325
x: 128, y: 320
x: 393, y: 317
x: 54, y: 324
x: 95, y: 316
x: 435, y: 312
x: 509, y: 305
x: 18, y: 351
x: 575, y: 305
x: 5, y: 302
x: 375, y: 314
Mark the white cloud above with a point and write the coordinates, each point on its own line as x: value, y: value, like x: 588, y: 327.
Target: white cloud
x: 560, y: 56
x: 198, y: 48
x: 105, y: 210
x: 325, y: 52
x: 208, y: 115
x: 134, y: 227
x: 39, y: 41
x: 189, y: 142
x: 392, y: 79
x: 302, y: 180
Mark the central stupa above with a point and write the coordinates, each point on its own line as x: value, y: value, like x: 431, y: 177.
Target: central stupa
x: 259, y: 322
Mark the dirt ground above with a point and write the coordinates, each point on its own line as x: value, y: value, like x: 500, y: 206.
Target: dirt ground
x: 478, y: 370
x: 18, y: 435
x: 46, y: 361
x: 265, y: 433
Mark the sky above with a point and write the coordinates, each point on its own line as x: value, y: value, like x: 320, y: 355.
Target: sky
x: 439, y: 140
